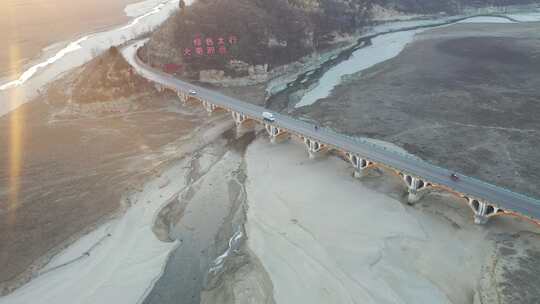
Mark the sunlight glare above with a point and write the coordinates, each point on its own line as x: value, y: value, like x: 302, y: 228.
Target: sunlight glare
x: 15, y: 140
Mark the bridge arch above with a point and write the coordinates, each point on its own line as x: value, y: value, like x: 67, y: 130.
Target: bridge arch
x: 359, y: 164
x: 209, y: 107
x: 416, y: 187
x: 239, y: 118
x: 273, y: 132
x: 182, y: 96
x: 482, y: 210
x: 314, y: 147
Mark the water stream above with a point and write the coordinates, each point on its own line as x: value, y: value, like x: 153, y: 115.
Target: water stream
x: 210, y: 232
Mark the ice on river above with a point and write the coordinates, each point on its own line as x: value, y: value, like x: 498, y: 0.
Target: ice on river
x: 383, y: 47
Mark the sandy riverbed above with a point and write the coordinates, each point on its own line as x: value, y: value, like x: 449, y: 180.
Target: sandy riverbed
x: 325, y: 237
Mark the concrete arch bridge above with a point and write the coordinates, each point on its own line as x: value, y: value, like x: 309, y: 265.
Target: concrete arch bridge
x: 484, y: 199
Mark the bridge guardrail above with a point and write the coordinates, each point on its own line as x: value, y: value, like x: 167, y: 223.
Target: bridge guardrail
x: 354, y: 139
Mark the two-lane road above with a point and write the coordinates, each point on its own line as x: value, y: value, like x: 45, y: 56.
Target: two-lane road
x: 503, y: 198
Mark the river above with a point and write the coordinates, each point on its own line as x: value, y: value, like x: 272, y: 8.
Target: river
x: 379, y: 44
x: 28, y: 27
x: 27, y: 79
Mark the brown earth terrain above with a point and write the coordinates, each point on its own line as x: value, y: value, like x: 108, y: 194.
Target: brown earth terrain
x: 67, y: 165
x: 464, y: 97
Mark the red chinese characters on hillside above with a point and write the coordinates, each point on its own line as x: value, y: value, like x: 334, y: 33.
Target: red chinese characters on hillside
x: 208, y: 46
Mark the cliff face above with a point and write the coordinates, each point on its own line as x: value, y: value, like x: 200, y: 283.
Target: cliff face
x: 255, y: 32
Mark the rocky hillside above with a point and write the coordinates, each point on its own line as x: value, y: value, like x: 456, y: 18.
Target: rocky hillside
x: 108, y: 77
x: 209, y: 34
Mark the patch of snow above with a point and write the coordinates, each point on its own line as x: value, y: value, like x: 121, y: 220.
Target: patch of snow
x: 153, y: 11
x: 73, y: 253
x: 486, y: 20
x: 526, y: 17
x: 398, y: 25
x: 388, y: 146
x: 141, y: 8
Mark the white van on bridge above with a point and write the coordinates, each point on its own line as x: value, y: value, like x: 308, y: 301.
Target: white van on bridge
x: 267, y: 116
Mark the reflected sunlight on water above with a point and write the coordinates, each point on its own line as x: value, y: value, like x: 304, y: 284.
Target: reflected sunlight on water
x: 33, y: 25
x: 15, y: 141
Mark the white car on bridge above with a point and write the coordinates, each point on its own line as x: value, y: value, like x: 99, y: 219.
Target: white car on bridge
x: 267, y: 116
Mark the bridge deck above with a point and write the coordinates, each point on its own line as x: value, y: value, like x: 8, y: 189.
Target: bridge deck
x: 468, y: 186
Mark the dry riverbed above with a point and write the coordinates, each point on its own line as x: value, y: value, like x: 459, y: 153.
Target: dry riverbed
x: 187, y: 208
x: 325, y: 237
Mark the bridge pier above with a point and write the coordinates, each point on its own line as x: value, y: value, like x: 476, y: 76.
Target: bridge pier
x: 274, y: 132
x: 183, y: 97
x: 209, y: 107
x: 360, y: 165
x: 482, y: 210
x: 417, y: 188
x: 314, y: 147
x: 238, y: 118
x: 159, y: 87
